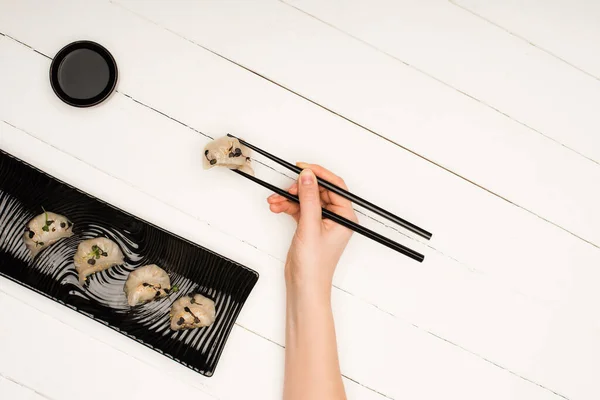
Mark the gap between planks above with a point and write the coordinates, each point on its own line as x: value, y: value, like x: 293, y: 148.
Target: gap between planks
x: 24, y: 386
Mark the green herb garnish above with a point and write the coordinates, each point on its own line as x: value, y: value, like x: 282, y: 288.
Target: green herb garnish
x: 174, y: 289
x: 97, y: 252
x: 46, y: 227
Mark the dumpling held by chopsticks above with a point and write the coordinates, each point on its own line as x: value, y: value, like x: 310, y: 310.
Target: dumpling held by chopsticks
x: 227, y: 152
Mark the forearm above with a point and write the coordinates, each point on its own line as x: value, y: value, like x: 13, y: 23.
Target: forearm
x: 311, y: 360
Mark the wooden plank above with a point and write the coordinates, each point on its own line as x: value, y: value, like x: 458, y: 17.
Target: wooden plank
x: 479, y: 59
x: 398, y: 102
x: 566, y: 29
x: 129, y: 122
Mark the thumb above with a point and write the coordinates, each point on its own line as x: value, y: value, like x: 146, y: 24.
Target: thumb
x: 310, y: 202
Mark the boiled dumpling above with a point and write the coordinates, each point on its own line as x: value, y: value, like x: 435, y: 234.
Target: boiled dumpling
x: 147, y: 283
x: 227, y: 152
x: 192, y: 311
x: 95, y: 255
x: 46, y: 229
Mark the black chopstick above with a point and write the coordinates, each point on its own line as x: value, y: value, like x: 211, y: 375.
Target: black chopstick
x: 342, y: 221
x: 342, y: 192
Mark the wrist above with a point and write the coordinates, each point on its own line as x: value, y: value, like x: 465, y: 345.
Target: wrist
x: 305, y: 290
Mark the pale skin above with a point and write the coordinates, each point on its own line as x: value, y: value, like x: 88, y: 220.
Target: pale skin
x: 312, y: 369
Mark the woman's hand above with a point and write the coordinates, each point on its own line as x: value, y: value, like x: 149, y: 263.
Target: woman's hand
x: 318, y: 243
x: 312, y: 369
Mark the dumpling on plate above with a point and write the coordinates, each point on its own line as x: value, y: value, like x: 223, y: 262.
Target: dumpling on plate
x: 227, y: 152
x: 192, y: 311
x: 147, y: 283
x: 95, y: 255
x: 46, y: 229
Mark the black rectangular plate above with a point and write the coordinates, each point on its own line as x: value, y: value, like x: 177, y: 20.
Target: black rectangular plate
x: 24, y: 190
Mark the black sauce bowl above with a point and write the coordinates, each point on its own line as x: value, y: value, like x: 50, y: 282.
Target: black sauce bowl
x: 83, y: 74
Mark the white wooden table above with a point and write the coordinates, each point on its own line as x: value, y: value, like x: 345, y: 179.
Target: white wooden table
x: 477, y: 120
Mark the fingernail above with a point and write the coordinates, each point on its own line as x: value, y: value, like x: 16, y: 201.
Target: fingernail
x: 271, y: 196
x: 307, y: 177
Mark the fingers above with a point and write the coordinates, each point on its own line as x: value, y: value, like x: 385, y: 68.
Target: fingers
x: 324, y: 197
x: 275, y: 198
x: 285, y: 207
x: 293, y: 189
x: 279, y: 204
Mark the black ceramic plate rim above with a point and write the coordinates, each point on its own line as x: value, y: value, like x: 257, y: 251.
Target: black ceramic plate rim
x: 101, y: 51
x: 134, y: 338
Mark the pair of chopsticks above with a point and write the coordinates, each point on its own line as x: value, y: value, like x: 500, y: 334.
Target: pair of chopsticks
x: 346, y: 194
